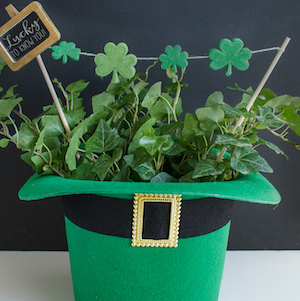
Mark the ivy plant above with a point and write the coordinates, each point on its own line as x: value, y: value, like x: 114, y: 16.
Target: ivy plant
x: 137, y: 132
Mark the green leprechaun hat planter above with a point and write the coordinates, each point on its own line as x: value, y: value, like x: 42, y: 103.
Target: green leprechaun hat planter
x: 147, y: 197
x: 99, y: 218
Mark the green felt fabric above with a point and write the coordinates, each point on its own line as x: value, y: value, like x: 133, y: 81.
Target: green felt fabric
x: 107, y: 268
x: 251, y: 188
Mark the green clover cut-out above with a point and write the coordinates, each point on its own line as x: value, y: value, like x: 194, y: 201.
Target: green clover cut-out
x: 173, y: 58
x: 115, y: 60
x: 231, y: 53
x: 66, y: 50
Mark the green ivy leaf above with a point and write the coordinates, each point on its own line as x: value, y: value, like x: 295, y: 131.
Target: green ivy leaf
x: 7, y: 105
x: 153, y: 143
x: 141, y: 156
x: 123, y: 174
x: 247, y: 160
x: 66, y: 50
x: 146, y: 170
x: 264, y: 96
x: 52, y: 125
x: 175, y: 149
x: 152, y: 95
x: 102, y: 166
x: 283, y: 101
x: 231, y: 53
x: 137, y: 88
x: 163, y: 177
x: 233, y: 112
x: 191, y: 127
x: 268, y: 118
x: 173, y: 58
x: 77, y: 134
x: 169, y: 128
x: 4, y: 142
x: 211, y: 114
x: 2, y: 63
x: 52, y: 143
x: 272, y: 146
x: 172, y: 87
x: 230, y: 140
x: 292, y: 118
x: 115, y: 60
x: 117, y: 154
x: 102, y: 101
x: 77, y: 86
x: 208, y: 167
x: 27, y: 136
x: 104, y: 139
x: 135, y: 142
x: 10, y: 93
x: 236, y: 87
x: 84, y: 172
x: 75, y: 116
x: 214, y: 99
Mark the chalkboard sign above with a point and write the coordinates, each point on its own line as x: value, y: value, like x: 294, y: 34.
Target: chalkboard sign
x: 26, y: 35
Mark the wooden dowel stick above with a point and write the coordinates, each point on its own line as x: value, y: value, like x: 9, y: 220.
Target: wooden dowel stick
x: 12, y: 11
x: 258, y: 90
x: 53, y: 94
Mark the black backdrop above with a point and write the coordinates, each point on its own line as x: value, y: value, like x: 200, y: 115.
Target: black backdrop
x: 147, y: 27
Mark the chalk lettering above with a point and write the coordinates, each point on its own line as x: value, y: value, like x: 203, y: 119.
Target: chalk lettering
x: 15, y: 53
x: 26, y: 45
x: 27, y: 31
x: 40, y: 34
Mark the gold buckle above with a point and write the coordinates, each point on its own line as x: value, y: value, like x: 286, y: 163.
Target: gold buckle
x: 138, y: 219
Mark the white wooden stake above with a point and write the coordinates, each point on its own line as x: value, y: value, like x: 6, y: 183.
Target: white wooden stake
x: 54, y: 95
x: 12, y: 11
x: 258, y: 90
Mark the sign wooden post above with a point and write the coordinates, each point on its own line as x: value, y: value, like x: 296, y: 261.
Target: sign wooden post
x: 24, y: 37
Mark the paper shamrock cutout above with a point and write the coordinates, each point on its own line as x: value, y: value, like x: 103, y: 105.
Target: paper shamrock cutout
x: 231, y: 53
x: 173, y: 57
x: 66, y: 50
x: 115, y: 60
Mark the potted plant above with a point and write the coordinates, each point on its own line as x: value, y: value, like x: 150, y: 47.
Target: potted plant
x: 148, y: 197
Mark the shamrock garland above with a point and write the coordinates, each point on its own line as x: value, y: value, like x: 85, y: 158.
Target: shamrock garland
x: 117, y: 61
x: 231, y: 54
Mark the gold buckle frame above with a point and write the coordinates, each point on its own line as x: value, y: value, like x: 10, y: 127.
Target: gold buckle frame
x: 138, y: 219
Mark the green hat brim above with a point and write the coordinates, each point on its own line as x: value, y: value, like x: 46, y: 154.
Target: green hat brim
x: 253, y: 188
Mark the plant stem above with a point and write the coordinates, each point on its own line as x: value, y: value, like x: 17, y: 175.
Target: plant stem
x: 136, y: 99
x: 60, y: 86
x: 16, y: 130
x: 49, y: 152
x: 176, y: 99
x: 182, y: 74
x: 172, y: 110
x: 147, y: 70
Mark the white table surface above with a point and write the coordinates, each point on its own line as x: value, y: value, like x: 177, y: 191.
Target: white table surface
x: 248, y: 276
